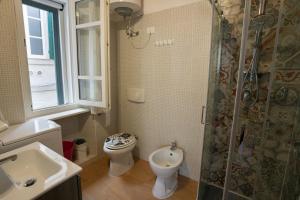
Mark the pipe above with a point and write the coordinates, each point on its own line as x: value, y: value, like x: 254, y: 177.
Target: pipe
x: 213, y: 3
x: 262, y: 7
x: 253, y: 69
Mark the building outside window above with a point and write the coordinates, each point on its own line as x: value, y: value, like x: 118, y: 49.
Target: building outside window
x: 42, y: 60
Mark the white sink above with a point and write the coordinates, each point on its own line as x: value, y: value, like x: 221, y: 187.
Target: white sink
x: 5, y: 183
x: 34, y: 170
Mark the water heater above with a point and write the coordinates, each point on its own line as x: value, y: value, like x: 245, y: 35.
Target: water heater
x: 126, y: 8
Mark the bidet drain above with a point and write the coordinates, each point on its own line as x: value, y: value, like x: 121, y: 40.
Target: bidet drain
x: 29, y: 182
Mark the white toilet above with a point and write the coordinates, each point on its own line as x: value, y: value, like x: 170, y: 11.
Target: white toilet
x: 165, y: 163
x: 119, y: 149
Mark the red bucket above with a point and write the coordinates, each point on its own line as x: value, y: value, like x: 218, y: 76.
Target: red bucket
x: 68, y: 148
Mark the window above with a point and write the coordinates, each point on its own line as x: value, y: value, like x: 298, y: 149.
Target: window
x: 42, y: 30
x: 36, y: 27
x: 91, y: 33
x: 67, y: 52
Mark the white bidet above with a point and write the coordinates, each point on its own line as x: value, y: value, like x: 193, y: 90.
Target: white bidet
x: 165, y: 164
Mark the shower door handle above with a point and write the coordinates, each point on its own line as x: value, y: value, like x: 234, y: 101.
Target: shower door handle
x: 203, y: 118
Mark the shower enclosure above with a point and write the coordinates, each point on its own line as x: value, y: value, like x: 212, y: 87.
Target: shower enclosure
x: 252, y: 134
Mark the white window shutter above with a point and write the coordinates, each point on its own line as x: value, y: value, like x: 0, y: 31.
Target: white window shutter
x: 90, y: 52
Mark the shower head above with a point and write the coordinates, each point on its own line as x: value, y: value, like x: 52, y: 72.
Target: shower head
x: 263, y: 20
x: 124, y: 11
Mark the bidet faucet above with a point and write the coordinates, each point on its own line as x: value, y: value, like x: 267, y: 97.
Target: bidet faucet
x: 173, y: 146
x: 9, y: 158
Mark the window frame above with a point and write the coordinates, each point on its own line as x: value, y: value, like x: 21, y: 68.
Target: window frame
x: 103, y: 24
x: 66, y: 62
x: 44, y: 37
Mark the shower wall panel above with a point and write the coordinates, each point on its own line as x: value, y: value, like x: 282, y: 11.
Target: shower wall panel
x: 267, y: 129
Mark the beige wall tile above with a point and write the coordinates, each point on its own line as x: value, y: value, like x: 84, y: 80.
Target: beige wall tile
x: 174, y: 79
x: 11, y: 99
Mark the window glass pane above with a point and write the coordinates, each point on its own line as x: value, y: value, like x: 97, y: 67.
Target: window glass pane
x: 46, y: 81
x: 35, y: 28
x: 90, y: 90
x: 36, y: 45
x: 87, y: 11
x: 89, y: 61
x: 43, y: 86
x: 33, y: 12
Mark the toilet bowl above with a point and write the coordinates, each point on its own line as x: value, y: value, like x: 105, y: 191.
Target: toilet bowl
x: 165, y: 164
x: 119, y: 149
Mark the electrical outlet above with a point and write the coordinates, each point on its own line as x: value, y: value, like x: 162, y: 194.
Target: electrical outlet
x: 162, y: 43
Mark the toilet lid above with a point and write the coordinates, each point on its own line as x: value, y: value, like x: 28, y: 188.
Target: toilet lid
x: 119, y: 141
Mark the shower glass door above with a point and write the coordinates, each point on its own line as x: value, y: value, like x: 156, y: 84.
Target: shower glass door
x: 264, y: 163
x: 220, y: 104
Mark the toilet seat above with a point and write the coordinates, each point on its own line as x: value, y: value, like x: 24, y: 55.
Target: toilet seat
x: 119, y: 149
x: 119, y: 141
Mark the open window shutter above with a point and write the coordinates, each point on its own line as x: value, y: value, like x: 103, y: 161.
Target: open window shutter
x: 91, y: 52
x: 50, y: 35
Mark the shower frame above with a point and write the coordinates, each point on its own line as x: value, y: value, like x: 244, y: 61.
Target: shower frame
x: 239, y: 84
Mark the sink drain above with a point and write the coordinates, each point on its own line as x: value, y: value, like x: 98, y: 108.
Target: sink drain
x: 29, y: 182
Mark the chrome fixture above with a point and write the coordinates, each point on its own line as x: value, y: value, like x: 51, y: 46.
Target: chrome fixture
x: 250, y: 90
x: 173, y: 146
x: 130, y: 32
x: 29, y: 182
x: 9, y: 158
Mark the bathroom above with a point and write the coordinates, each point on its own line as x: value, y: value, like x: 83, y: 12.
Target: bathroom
x: 149, y: 99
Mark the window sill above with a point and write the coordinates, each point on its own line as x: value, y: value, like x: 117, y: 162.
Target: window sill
x: 65, y: 114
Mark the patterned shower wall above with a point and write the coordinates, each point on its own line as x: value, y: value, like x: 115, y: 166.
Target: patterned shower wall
x: 287, y: 75
x: 266, y: 158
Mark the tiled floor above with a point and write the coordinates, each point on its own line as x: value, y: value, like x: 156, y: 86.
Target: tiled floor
x: 134, y: 185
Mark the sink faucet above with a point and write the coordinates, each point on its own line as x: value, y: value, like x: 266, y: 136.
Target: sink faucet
x: 173, y: 146
x: 9, y: 158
